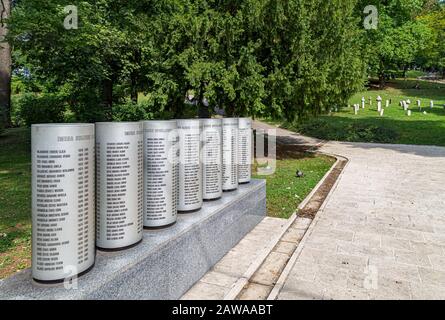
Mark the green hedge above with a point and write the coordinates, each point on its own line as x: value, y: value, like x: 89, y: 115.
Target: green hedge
x: 324, y: 129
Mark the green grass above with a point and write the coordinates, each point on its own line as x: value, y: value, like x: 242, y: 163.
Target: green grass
x: 15, y: 201
x: 285, y: 191
x: 395, y: 126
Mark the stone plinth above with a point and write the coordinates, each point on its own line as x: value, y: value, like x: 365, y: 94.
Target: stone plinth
x: 167, y: 262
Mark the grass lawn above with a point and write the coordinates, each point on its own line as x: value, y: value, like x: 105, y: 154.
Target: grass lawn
x: 285, y: 191
x: 395, y: 126
x: 15, y: 201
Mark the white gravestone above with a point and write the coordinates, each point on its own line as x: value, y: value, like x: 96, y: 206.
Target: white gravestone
x: 230, y: 154
x: 119, y: 184
x: 408, y: 113
x: 63, y: 243
x: 363, y: 102
x: 381, y: 112
x: 161, y: 173
x: 387, y: 103
x: 211, y: 135
x: 379, y: 103
x: 405, y: 105
x: 190, y: 170
x: 431, y: 104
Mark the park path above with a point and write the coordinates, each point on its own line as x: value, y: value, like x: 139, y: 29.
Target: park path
x: 381, y: 231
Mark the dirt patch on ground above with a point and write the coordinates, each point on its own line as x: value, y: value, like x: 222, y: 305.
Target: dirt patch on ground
x: 17, y: 259
x: 314, y: 204
x: 288, y: 151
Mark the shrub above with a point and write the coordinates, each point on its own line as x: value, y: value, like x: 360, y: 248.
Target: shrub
x: 362, y: 131
x: 44, y: 108
x: 130, y: 111
x: 145, y: 110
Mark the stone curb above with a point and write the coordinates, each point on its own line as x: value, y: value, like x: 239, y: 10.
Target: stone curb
x: 244, y: 280
x: 284, y: 275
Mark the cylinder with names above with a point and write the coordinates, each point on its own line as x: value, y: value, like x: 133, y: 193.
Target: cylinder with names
x: 119, y: 178
x: 62, y: 157
x: 211, y: 136
x: 230, y: 154
x: 244, y: 150
x: 190, y: 172
x: 161, y: 176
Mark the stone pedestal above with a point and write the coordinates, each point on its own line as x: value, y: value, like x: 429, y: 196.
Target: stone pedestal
x: 167, y: 262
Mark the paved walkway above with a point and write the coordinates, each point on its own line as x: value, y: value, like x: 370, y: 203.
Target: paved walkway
x: 381, y: 234
x: 287, y: 137
x: 218, y: 282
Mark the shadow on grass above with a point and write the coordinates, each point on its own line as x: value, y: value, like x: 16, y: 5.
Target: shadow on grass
x: 385, y: 132
x: 427, y: 90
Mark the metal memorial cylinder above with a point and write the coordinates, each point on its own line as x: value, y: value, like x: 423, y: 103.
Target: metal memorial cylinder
x: 161, y: 176
x: 230, y: 154
x: 62, y: 201
x: 211, y: 137
x: 119, y: 184
x: 244, y: 150
x: 190, y: 172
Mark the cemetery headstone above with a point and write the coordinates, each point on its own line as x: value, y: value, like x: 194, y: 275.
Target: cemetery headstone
x: 379, y: 103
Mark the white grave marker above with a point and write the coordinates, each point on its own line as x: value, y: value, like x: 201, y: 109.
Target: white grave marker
x: 379, y: 103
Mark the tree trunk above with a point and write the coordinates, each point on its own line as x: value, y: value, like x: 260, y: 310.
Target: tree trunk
x: 107, y: 99
x: 134, y: 77
x: 382, y: 81
x: 5, y: 66
x: 134, y: 89
x: 178, y: 106
x: 203, y: 111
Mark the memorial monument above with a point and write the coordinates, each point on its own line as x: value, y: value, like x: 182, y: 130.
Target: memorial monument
x: 119, y: 189
x: 211, y: 136
x: 62, y: 157
x: 161, y: 173
x: 230, y: 154
x: 244, y: 150
x: 190, y: 170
